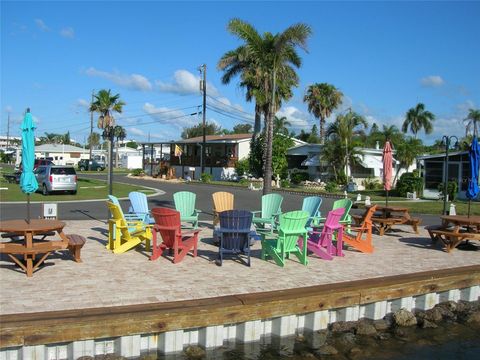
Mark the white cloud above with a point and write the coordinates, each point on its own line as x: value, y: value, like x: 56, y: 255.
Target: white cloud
x: 8, y: 109
x: 297, y: 118
x: 135, y: 131
x: 41, y: 25
x: 67, y: 32
x: 432, y: 81
x: 168, y: 116
x: 132, y: 81
x: 184, y: 83
x: 82, y: 103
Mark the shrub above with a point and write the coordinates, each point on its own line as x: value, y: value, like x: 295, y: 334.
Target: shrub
x: 331, y: 186
x: 284, y: 183
x: 137, y: 172
x: 298, y: 177
x: 206, y: 178
x: 243, y: 181
x: 408, y: 182
x: 242, y: 167
x: 452, y: 189
x: 371, y: 184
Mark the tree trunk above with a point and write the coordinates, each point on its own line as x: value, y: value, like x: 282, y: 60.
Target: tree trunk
x: 267, y: 174
x: 258, y: 118
x: 116, y: 153
x: 322, y: 131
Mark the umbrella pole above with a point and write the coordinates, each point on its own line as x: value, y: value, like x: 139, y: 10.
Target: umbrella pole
x: 28, y: 208
x: 387, y: 199
x: 469, y: 203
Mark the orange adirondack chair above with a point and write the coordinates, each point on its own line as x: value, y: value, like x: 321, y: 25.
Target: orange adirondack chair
x: 167, y: 223
x: 222, y: 201
x: 362, y: 240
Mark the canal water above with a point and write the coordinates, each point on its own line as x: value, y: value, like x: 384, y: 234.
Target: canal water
x: 450, y: 341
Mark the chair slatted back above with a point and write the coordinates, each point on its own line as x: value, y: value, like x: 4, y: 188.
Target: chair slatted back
x: 185, y: 202
x: 239, y: 223
x: 343, y: 203
x: 271, y: 205
x: 169, y: 224
x: 311, y: 204
x: 291, y: 226
x: 222, y: 201
x: 331, y: 224
x: 119, y: 219
x: 139, y: 202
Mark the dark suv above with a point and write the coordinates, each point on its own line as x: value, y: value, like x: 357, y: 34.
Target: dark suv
x: 93, y: 165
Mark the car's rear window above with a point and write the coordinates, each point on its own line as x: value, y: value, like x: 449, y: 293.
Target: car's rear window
x: 63, y: 171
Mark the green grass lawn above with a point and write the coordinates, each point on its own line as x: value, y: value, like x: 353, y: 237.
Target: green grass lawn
x: 87, y: 189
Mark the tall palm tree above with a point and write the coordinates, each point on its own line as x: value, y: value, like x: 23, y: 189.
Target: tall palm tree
x: 322, y: 99
x: 120, y: 134
x: 106, y: 104
x: 472, y: 120
x: 406, y: 153
x: 280, y: 125
x: 266, y: 63
x: 417, y: 118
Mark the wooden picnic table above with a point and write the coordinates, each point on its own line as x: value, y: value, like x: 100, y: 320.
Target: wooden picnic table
x: 386, y: 217
x: 28, y: 246
x: 455, y: 229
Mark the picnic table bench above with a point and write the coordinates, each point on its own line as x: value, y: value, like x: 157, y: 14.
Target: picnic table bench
x: 12, y: 178
x: 454, y: 230
x: 386, y: 217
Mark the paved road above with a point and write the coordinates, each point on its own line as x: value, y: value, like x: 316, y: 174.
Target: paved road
x: 244, y: 199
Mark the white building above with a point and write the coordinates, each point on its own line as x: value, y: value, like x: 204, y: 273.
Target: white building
x: 61, y: 154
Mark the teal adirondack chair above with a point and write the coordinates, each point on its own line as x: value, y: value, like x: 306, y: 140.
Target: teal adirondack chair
x: 271, y: 208
x: 284, y: 241
x: 311, y: 204
x: 185, y: 205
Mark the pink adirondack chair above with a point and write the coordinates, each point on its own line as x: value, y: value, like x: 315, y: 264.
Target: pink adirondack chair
x: 321, y: 243
x: 167, y: 223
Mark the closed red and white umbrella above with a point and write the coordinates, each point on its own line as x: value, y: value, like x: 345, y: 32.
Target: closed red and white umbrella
x: 387, y: 167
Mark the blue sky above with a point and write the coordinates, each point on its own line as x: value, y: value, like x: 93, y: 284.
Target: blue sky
x: 384, y: 56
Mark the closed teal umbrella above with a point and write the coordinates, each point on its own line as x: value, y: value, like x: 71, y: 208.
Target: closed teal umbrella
x: 28, y: 182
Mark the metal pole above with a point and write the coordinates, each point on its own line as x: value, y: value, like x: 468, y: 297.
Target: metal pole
x: 445, y: 182
x: 110, y: 163
x: 8, y: 133
x: 91, y: 132
x: 204, y: 89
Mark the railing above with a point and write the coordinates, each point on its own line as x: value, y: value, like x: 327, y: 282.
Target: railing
x: 211, y: 161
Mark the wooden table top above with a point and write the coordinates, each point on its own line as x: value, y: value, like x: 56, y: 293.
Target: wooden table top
x: 462, y: 219
x: 389, y: 208
x: 35, y: 225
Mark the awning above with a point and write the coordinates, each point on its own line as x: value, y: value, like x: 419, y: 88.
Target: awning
x: 313, y: 160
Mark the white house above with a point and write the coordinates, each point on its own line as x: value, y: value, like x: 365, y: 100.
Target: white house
x: 61, y: 154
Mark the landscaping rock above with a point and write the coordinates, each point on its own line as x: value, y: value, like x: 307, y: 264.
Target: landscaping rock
x: 85, y: 358
x: 425, y: 324
x: 404, y: 318
x: 326, y: 350
x: 381, y: 325
x: 383, y: 336
x: 194, y: 352
x: 433, y: 315
x: 473, y: 318
x: 365, y: 328
x: 343, y: 326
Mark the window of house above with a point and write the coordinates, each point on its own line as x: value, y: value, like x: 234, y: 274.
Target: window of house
x: 433, y: 174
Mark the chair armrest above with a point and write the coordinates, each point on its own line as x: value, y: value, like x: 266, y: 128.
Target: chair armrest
x: 239, y: 231
x: 198, y: 211
x: 190, y: 232
x: 161, y: 227
x: 256, y: 212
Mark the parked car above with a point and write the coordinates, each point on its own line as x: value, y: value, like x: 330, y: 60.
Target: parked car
x: 93, y: 165
x: 36, y: 164
x: 56, y: 178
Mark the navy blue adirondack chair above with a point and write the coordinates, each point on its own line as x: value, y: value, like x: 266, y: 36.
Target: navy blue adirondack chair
x: 234, y: 233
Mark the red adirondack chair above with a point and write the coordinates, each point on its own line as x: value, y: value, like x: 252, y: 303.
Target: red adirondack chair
x: 360, y: 237
x: 167, y: 223
x: 321, y: 243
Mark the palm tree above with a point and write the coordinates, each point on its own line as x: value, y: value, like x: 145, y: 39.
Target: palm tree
x: 280, y: 125
x: 406, y: 153
x: 418, y: 118
x: 322, y: 99
x: 106, y: 104
x: 93, y: 140
x: 266, y: 67
x: 472, y: 120
x: 120, y: 134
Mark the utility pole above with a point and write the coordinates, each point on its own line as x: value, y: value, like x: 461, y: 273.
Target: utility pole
x: 91, y: 133
x: 203, y: 88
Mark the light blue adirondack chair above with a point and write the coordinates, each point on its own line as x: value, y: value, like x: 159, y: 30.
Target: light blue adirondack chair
x: 285, y: 241
x: 311, y: 204
x: 271, y: 209
x: 139, y: 206
x: 185, y: 205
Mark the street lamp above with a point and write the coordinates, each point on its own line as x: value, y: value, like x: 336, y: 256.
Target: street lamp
x: 109, y: 134
x: 446, y: 141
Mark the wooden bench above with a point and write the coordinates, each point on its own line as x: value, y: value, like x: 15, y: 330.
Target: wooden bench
x: 448, y: 236
x: 385, y: 224
x: 75, y: 244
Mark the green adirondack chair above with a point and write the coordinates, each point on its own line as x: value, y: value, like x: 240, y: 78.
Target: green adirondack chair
x: 185, y: 205
x: 284, y: 241
x: 271, y: 208
x: 346, y: 219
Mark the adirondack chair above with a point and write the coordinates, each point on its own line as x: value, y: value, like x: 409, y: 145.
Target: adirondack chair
x: 139, y: 206
x: 321, y: 242
x: 362, y: 240
x: 311, y: 204
x: 234, y: 233
x: 167, y: 223
x: 271, y: 209
x: 185, y: 205
x: 128, y: 217
x: 222, y: 201
x: 346, y: 218
x: 284, y: 241
x: 124, y: 234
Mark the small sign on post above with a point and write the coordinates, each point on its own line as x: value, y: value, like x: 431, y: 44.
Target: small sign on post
x: 50, y: 211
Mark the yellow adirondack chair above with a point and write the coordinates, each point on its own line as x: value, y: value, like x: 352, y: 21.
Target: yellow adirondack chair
x: 222, y: 201
x: 124, y: 235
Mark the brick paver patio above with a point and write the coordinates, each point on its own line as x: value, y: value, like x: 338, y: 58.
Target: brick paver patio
x: 105, y: 279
